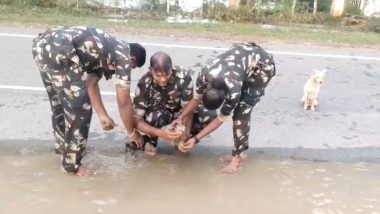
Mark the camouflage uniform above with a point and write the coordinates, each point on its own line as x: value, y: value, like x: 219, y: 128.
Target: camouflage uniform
x: 63, y: 56
x: 159, y: 106
x: 246, y: 70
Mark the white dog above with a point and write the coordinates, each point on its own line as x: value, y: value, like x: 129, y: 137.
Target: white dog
x: 311, y: 89
x: 180, y: 129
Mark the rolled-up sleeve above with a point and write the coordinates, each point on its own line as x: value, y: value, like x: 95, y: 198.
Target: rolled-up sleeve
x: 264, y: 67
x: 123, y: 66
x: 187, y: 90
x: 200, y: 86
x: 140, y: 101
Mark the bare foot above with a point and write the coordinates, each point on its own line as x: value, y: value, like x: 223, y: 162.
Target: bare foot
x: 150, y: 150
x: 228, y: 158
x: 233, y: 167
x: 84, y: 172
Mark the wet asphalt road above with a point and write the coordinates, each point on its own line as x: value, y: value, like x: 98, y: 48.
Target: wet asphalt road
x: 346, y: 124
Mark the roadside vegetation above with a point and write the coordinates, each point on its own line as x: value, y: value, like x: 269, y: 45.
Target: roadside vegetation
x: 275, y: 22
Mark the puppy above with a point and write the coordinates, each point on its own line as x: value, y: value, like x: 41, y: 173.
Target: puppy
x: 181, y: 130
x: 311, y: 89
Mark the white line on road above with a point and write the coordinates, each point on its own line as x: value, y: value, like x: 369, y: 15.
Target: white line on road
x: 183, y: 46
x: 222, y: 49
x: 17, y: 35
x: 28, y: 88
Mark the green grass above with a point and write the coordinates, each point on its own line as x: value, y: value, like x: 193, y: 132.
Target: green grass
x: 36, y: 17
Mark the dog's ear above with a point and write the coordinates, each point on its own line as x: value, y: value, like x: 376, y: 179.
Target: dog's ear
x: 315, y: 71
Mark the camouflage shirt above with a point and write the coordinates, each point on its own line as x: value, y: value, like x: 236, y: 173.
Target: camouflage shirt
x: 173, y: 97
x: 241, y: 64
x: 94, y: 50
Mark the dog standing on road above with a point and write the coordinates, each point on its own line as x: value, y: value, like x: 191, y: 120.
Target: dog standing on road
x: 311, y: 89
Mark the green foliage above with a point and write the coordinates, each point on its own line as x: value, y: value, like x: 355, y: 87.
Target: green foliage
x: 154, y: 5
x: 6, y: 2
x: 374, y: 24
x: 243, y: 2
x: 62, y: 4
x: 276, y: 12
x: 324, y: 5
x: 280, y: 13
x: 353, y: 10
x: 38, y: 3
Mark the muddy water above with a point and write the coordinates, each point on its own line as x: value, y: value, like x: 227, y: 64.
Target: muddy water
x: 31, y: 182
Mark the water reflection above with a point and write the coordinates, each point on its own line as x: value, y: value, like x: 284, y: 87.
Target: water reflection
x: 31, y: 182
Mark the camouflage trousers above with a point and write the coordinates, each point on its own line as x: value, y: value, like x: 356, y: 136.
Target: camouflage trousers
x: 159, y: 117
x: 67, y: 91
x: 250, y: 96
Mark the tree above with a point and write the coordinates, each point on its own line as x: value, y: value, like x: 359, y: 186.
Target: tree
x: 294, y: 7
x: 337, y: 7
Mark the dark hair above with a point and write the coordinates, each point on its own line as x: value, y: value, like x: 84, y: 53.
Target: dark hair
x: 252, y: 44
x: 161, y: 61
x: 218, y: 83
x: 139, y: 52
x: 214, y: 96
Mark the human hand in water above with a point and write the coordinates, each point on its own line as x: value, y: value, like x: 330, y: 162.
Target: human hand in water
x: 139, y: 141
x: 170, y: 135
x: 107, y: 123
x: 188, y: 146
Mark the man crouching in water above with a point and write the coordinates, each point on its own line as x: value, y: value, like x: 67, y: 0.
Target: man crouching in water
x: 160, y: 97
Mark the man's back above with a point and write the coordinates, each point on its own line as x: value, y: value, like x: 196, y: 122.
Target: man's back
x: 98, y: 52
x: 234, y: 61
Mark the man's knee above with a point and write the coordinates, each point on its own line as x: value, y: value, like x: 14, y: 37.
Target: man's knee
x: 158, y: 118
x: 151, y: 140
